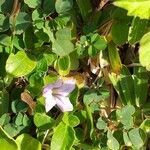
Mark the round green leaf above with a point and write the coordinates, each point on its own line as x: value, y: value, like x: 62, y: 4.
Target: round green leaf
x: 63, y: 6
x: 19, y: 64
x: 63, y: 65
x: 101, y: 124
x: 43, y: 122
x: 136, y: 138
x: 62, y: 47
x: 112, y: 143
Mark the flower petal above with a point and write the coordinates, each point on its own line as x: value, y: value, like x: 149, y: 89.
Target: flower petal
x: 63, y: 103
x: 66, y: 88
x: 49, y: 101
x: 57, y: 84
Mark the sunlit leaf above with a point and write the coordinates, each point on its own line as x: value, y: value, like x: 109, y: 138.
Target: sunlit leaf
x: 43, y: 122
x: 19, y: 64
x: 134, y: 7
x: 33, y: 3
x: 64, y: 135
x: 112, y: 142
x: 145, y: 51
x: 26, y: 142
x: 6, y: 142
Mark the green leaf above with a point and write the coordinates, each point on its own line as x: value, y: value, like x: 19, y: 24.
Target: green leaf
x: 19, y: 64
x: 36, y: 83
x: 92, y: 51
x: 51, y: 78
x: 89, y: 121
x: 4, y: 23
x: 4, y: 101
x: 3, y: 58
x: 38, y: 18
x: 126, y: 139
x: 6, y: 6
x: 5, y: 40
x: 4, y: 119
x: 33, y: 3
x: 144, y: 51
x: 50, y: 57
x: 98, y: 42
x: 90, y: 96
x: 6, y: 142
x: 134, y: 7
x: 62, y: 6
x: 42, y: 66
x: 138, y: 28
x: 23, y: 21
x: 42, y: 35
x: 64, y: 34
x: 101, y: 124
x: 120, y: 14
x: 74, y: 61
x: 140, y: 82
x: 62, y: 47
x: 43, y: 122
x: 48, y: 6
x: 64, y: 135
x: 85, y: 8
x: 63, y: 65
x: 19, y: 119
x: 114, y: 58
x: 18, y: 106
x: 74, y: 95
x: 12, y: 129
x: 70, y: 120
x: 119, y: 32
x: 127, y: 86
x: 112, y: 142
x: 115, y: 79
x: 26, y: 120
x: 29, y: 38
x: 86, y: 146
x: 125, y: 116
x: 145, y: 126
x: 136, y: 138
x: 26, y: 142
x: 18, y: 42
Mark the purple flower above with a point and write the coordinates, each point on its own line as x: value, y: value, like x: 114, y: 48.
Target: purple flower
x: 57, y: 94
